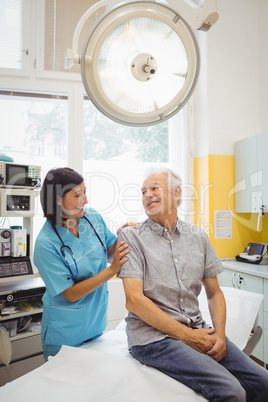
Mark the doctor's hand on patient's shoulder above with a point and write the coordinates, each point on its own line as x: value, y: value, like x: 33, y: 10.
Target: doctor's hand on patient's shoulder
x: 131, y: 224
x: 121, y: 251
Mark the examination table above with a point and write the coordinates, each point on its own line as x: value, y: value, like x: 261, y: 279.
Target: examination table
x: 103, y: 370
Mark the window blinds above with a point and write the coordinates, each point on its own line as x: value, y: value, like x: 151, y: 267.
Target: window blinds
x: 11, y: 34
x: 61, y: 18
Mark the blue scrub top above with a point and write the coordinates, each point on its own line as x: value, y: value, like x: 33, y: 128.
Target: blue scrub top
x: 63, y: 322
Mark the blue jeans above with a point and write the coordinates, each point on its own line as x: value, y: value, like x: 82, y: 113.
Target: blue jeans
x: 235, y: 378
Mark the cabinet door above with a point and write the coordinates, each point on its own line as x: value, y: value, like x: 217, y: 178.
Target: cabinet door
x: 265, y: 321
x: 225, y: 278
x: 265, y: 334
x: 19, y: 368
x: 242, y: 281
x: 250, y: 283
x: 266, y: 295
x: 246, y: 175
x: 26, y: 347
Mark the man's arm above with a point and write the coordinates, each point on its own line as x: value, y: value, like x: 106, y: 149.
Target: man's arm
x: 217, y: 308
x: 140, y: 305
x: 111, y: 249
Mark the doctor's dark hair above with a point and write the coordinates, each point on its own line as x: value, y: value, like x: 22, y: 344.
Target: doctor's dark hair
x: 57, y: 183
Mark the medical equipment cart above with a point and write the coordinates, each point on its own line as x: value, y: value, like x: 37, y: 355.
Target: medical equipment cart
x: 27, y: 351
x: 21, y: 288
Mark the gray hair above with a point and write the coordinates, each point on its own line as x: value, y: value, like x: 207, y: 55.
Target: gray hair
x: 173, y: 180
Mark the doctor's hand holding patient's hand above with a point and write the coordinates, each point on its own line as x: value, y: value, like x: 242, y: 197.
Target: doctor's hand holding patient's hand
x: 121, y: 250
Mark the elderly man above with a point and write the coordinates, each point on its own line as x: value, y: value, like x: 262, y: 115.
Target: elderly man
x: 169, y: 260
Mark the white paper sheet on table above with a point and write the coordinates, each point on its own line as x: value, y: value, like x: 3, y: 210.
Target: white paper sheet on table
x: 103, y: 370
x: 242, y: 310
x: 88, y: 374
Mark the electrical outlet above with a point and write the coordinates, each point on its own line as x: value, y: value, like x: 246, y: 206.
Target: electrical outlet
x: 256, y: 201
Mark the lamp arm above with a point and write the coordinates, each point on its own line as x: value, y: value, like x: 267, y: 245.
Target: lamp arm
x: 199, y: 17
x: 71, y: 55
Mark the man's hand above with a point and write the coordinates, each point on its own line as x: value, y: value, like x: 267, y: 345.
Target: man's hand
x: 206, y: 341
x: 217, y: 309
x: 218, y: 352
x: 201, y: 339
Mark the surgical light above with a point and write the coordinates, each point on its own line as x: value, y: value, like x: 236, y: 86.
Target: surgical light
x: 140, y: 61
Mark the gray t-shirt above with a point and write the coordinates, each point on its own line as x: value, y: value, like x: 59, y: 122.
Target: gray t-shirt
x: 172, y: 268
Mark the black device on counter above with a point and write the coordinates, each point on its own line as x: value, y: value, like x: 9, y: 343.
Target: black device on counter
x: 253, y: 253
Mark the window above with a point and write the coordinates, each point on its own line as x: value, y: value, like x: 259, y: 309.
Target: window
x: 14, y: 38
x: 115, y: 159
x: 34, y: 128
x: 47, y: 128
x: 34, y: 131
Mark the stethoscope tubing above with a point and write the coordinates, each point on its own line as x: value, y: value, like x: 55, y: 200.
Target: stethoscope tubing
x: 64, y: 246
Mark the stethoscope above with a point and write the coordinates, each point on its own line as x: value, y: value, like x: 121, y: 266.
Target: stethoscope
x: 70, y: 250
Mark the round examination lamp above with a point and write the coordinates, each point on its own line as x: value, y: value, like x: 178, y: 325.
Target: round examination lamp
x: 140, y: 63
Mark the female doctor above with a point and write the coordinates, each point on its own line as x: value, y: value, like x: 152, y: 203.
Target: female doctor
x: 70, y: 254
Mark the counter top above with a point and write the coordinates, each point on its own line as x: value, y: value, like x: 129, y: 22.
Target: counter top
x: 247, y: 268
x: 16, y: 286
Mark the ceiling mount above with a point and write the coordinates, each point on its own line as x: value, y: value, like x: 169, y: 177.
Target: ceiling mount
x: 140, y: 61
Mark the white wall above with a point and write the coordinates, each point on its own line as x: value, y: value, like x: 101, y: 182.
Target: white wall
x: 230, y: 101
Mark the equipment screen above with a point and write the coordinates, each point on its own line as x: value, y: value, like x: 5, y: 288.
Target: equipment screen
x: 254, y: 249
x: 17, y: 174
